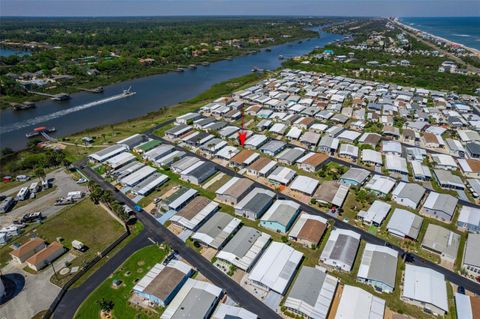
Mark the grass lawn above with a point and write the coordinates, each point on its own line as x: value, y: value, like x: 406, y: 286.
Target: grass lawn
x: 222, y: 181
x: 4, y: 186
x: 159, y: 191
x: 84, y: 221
x: 133, y: 269
x: 134, y: 231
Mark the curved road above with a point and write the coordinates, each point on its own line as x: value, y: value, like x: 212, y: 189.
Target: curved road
x: 74, y: 297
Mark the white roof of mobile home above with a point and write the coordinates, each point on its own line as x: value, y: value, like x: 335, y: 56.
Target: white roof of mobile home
x: 425, y: 285
x: 376, y: 213
x: 136, y: 177
x: 312, y: 293
x: 245, y: 247
x: 396, y: 163
x: 276, y: 267
x: 359, y: 304
x: 150, y: 183
x: 282, y: 175
x: 108, y: 152
x: 195, y: 297
x: 225, y: 311
x: 304, y: 184
x: 371, y: 156
x: 404, y: 223
x: 120, y: 159
x: 381, y: 184
x: 294, y: 133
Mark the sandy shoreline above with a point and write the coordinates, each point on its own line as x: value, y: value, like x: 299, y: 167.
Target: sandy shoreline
x: 438, y: 38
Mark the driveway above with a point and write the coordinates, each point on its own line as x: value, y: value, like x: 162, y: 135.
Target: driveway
x: 45, y: 204
x: 37, y: 294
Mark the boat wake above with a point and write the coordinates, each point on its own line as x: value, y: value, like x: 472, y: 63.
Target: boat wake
x: 51, y: 116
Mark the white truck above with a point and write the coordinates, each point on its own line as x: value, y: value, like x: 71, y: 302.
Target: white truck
x: 78, y: 245
x: 76, y: 195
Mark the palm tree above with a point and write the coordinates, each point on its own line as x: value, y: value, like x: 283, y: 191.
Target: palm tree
x: 40, y: 173
x: 105, y: 305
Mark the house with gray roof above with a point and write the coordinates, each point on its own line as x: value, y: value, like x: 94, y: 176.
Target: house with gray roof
x: 469, y: 219
x: 244, y: 248
x: 312, y: 294
x: 378, y: 267
x: 328, y: 145
x: 273, y: 147
x: 404, y: 224
x: 441, y: 241
x: 471, y: 257
x: 234, y: 190
x: 446, y: 179
x: 199, y: 172
x: 195, y: 297
x: 441, y: 206
x: 290, y: 155
x: 215, y: 232
x: 177, y: 131
x: 255, y: 203
x: 341, y: 249
x: 354, y: 176
x: 280, y: 216
x: 408, y: 194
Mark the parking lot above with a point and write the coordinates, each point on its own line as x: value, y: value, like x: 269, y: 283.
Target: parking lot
x: 45, y: 204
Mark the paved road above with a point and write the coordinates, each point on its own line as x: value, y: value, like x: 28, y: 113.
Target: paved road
x: 75, y: 296
x: 160, y: 233
x: 38, y: 292
x: 417, y: 260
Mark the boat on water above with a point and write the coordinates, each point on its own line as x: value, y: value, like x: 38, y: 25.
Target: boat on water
x: 180, y: 69
x: 39, y: 130
x: 205, y: 63
x: 22, y: 106
x: 192, y: 66
x: 61, y: 97
x: 268, y: 50
x: 128, y: 92
x: 281, y: 57
x: 257, y: 69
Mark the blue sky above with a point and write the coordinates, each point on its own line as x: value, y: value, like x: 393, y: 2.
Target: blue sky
x: 239, y: 7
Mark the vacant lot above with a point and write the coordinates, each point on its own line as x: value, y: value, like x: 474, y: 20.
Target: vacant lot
x: 131, y: 270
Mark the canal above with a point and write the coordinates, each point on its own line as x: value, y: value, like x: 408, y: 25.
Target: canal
x: 152, y: 92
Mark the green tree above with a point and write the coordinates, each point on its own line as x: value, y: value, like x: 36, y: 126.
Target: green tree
x: 105, y: 305
x: 40, y: 173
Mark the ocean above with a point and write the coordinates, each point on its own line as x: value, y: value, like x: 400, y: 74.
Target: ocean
x: 464, y: 30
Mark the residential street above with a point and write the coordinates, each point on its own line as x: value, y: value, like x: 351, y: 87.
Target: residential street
x: 159, y: 233
x: 417, y: 260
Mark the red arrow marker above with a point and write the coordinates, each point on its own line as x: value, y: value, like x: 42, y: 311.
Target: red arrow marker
x: 242, y: 135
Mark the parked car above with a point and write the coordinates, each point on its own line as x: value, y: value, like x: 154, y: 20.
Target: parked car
x: 22, y: 178
x: 82, y: 180
x: 31, y: 217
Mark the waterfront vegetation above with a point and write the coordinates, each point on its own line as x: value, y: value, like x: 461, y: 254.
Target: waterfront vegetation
x: 95, y: 52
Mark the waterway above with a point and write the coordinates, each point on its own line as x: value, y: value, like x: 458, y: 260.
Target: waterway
x: 9, y: 52
x: 153, y: 92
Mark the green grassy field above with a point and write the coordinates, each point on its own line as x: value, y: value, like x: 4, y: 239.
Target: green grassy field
x: 84, y: 221
x: 133, y: 269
